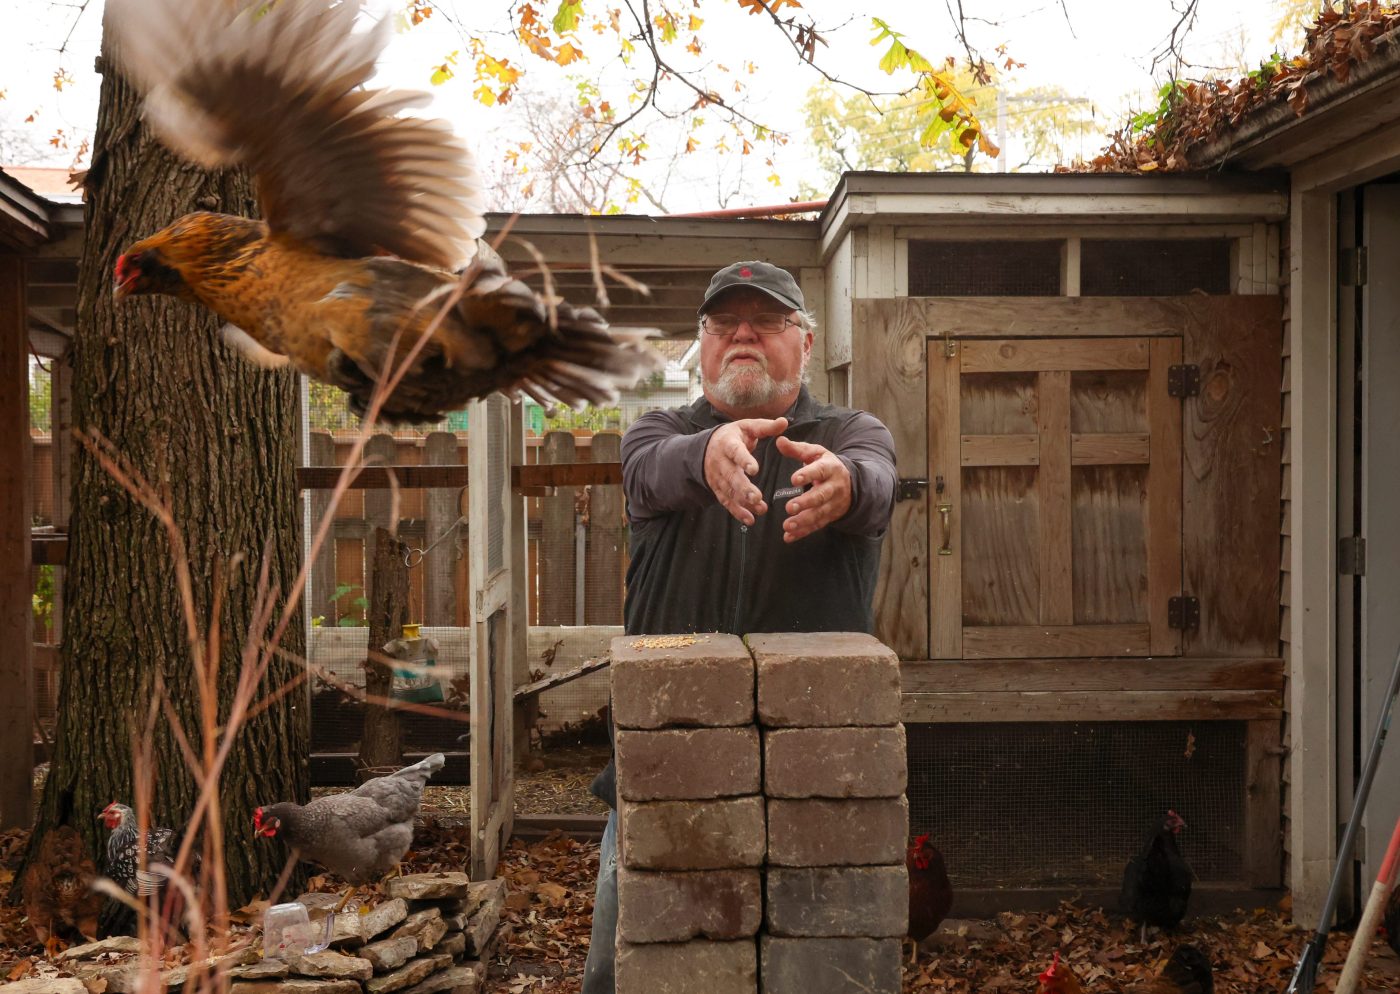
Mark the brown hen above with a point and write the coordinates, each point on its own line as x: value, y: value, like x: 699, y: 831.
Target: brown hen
x: 369, y: 217
x: 58, y: 898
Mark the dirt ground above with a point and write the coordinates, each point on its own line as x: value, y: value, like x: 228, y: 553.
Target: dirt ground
x: 550, y: 905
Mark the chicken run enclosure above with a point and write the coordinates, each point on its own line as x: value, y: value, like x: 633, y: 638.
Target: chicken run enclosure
x: 1086, y: 415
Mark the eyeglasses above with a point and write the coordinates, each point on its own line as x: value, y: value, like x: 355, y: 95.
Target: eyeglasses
x: 764, y: 324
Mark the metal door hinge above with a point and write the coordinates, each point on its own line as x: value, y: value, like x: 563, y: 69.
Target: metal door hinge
x: 1351, y: 266
x: 1351, y: 556
x: 1183, y: 613
x: 1184, y: 380
x: 909, y: 488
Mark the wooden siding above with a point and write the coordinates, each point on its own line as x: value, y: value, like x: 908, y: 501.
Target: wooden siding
x: 1230, y: 444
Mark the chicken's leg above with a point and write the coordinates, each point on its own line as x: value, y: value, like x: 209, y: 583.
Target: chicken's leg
x: 346, y: 899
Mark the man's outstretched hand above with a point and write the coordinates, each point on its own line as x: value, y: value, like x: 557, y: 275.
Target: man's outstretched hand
x: 729, y: 463
x: 829, y: 493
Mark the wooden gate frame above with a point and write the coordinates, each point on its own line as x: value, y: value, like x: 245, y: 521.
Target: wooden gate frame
x: 495, y: 594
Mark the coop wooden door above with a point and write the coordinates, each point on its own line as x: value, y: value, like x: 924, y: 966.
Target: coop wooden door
x: 1054, y: 497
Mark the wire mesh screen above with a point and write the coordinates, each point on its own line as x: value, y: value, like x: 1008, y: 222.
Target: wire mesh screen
x: 338, y: 588
x: 1066, y: 804
x: 45, y: 516
x: 43, y: 511
x: 1154, y: 267
x: 578, y: 557
x: 337, y: 718
x: 984, y: 269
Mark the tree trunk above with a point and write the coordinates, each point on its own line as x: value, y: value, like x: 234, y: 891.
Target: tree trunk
x: 218, y: 437
x: 388, y: 610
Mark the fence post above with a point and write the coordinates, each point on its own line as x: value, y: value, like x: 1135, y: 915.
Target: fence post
x: 382, y: 450
x: 604, y: 603
x: 557, y: 556
x: 321, y: 584
x: 380, y: 745
x: 443, y: 508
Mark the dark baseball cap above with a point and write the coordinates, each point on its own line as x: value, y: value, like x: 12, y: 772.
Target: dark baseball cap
x: 777, y: 283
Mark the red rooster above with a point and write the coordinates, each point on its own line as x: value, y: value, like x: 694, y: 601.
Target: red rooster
x: 1187, y: 972
x: 1058, y: 978
x: 930, y: 892
x: 368, y: 214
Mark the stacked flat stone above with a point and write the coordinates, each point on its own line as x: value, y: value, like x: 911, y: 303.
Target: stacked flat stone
x: 762, y: 818
x: 834, y: 773
x: 434, y: 934
x: 691, y: 827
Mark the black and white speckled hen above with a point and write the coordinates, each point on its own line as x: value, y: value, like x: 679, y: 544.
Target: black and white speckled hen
x: 123, y: 864
x: 359, y: 836
x: 150, y: 880
x: 368, y: 214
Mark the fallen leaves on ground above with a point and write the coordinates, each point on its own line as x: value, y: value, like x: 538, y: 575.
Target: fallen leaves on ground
x: 1252, y: 951
x: 549, y: 914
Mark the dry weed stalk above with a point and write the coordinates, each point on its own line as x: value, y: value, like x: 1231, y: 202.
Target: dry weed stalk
x: 216, y: 738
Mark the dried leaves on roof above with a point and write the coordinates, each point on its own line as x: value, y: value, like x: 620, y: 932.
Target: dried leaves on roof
x: 1194, y: 113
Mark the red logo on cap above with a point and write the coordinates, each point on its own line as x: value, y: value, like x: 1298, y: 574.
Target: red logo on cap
x: 746, y: 272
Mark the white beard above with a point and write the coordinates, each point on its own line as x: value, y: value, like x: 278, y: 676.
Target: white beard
x: 750, y: 386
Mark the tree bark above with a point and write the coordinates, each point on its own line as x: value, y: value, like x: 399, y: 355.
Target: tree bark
x: 218, y: 436
x: 388, y: 610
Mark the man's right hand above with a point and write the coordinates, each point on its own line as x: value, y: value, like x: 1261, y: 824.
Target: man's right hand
x: 729, y: 463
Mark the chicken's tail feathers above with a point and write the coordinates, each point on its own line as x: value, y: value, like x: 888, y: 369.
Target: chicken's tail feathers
x: 585, y: 361
x: 550, y: 350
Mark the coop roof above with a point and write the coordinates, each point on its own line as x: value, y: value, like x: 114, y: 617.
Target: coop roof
x: 1343, y: 85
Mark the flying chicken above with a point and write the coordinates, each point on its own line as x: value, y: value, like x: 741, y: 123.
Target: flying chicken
x: 372, y: 218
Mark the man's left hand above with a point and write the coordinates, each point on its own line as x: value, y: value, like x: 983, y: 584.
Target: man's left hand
x: 829, y: 497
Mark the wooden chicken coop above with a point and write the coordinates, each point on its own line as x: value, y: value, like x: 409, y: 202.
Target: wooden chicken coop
x: 1082, y: 376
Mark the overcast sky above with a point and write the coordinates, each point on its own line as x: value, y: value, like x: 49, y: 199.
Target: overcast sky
x: 1097, y: 50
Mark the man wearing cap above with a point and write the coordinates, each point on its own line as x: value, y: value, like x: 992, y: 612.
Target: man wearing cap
x: 754, y: 509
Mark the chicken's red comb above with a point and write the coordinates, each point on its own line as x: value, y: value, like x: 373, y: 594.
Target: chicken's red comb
x: 1049, y: 973
x: 919, y: 840
x: 257, y: 820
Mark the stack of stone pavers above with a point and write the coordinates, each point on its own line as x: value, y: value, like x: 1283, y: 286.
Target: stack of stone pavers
x: 434, y: 935
x: 762, y: 822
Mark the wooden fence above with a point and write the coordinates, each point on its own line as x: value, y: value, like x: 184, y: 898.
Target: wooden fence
x: 577, y: 550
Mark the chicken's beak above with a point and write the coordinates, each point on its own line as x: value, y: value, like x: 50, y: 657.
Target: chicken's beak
x: 121, y: 289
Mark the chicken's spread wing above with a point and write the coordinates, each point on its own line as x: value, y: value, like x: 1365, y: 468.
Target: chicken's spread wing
x: 278, y: 87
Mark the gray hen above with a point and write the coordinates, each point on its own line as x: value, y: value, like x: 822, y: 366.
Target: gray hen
x: 359, y: 836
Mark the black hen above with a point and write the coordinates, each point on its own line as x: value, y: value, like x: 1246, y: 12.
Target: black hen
x: 930, y: 893
x: 1157, y: 880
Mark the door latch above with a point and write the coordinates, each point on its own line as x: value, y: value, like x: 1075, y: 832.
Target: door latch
x: 910, y: 488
